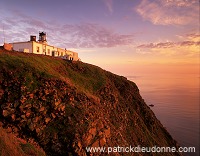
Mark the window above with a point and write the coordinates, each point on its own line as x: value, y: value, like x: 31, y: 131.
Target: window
x: 48, y: 51
x: 38, y: 49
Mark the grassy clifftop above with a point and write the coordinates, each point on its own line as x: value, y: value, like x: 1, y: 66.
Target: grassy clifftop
x: 67, y: 106
x: 84, y: 76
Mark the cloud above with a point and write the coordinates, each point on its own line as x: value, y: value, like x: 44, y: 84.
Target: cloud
x: 167, y: 45
x: 188, y: 48
x: 169, y: 12
x: 88, y: 35
x: 193, y: 36
x: 178, y: 3
x: 109, y: 5
x: 83, y: 35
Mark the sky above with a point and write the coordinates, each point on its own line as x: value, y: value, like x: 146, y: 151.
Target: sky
x: 126, y: 37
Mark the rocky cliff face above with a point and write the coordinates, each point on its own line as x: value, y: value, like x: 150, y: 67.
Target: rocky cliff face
x: 68, y: 106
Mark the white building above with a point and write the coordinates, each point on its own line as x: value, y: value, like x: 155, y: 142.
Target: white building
x: 41, y: 47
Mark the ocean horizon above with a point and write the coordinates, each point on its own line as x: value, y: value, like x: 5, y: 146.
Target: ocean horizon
x: 176, y: 104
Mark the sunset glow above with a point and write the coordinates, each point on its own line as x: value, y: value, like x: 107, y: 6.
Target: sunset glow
x: 60, y: 98
x: 120, y: 36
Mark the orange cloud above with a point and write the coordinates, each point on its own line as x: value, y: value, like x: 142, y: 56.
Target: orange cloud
x: 185, y: 51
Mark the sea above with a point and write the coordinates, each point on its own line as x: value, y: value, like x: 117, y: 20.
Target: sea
x: 176, y: 104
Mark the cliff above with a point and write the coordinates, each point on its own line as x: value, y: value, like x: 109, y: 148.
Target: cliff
x: 64, y: 107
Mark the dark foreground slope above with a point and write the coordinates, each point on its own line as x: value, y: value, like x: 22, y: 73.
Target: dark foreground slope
x: 68, y: 106
x: 10, y: 145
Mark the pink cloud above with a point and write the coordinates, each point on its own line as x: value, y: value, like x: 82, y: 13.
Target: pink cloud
x: 82, y: 35
x: 178, y: 3
x: 157, y: 45
x: 109, y: 5
x: 90, y: 35
x: 165, y: 45
x: 193, y: 36
x: 169, y: 12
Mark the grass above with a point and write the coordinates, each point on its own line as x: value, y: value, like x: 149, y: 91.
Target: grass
x: 85, y: 77
x: 10, y: 145
x: 43, y: 65
x: 29, y: 149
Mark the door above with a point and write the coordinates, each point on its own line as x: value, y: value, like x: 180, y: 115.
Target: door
x: 53, y: 53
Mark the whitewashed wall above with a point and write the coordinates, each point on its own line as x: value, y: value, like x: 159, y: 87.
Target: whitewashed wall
x: 39, y: 48
x: 35, y: 45
x: 21, y: 46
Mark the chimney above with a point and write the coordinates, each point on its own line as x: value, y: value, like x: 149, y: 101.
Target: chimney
x: 33, y: 38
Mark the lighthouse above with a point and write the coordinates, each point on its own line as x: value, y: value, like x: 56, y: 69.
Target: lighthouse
x: 42, y: 37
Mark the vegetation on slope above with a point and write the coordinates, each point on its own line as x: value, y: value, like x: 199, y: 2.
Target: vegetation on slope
x: 84, y: 76
x: 10, y: 145
x: 67, y: 106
